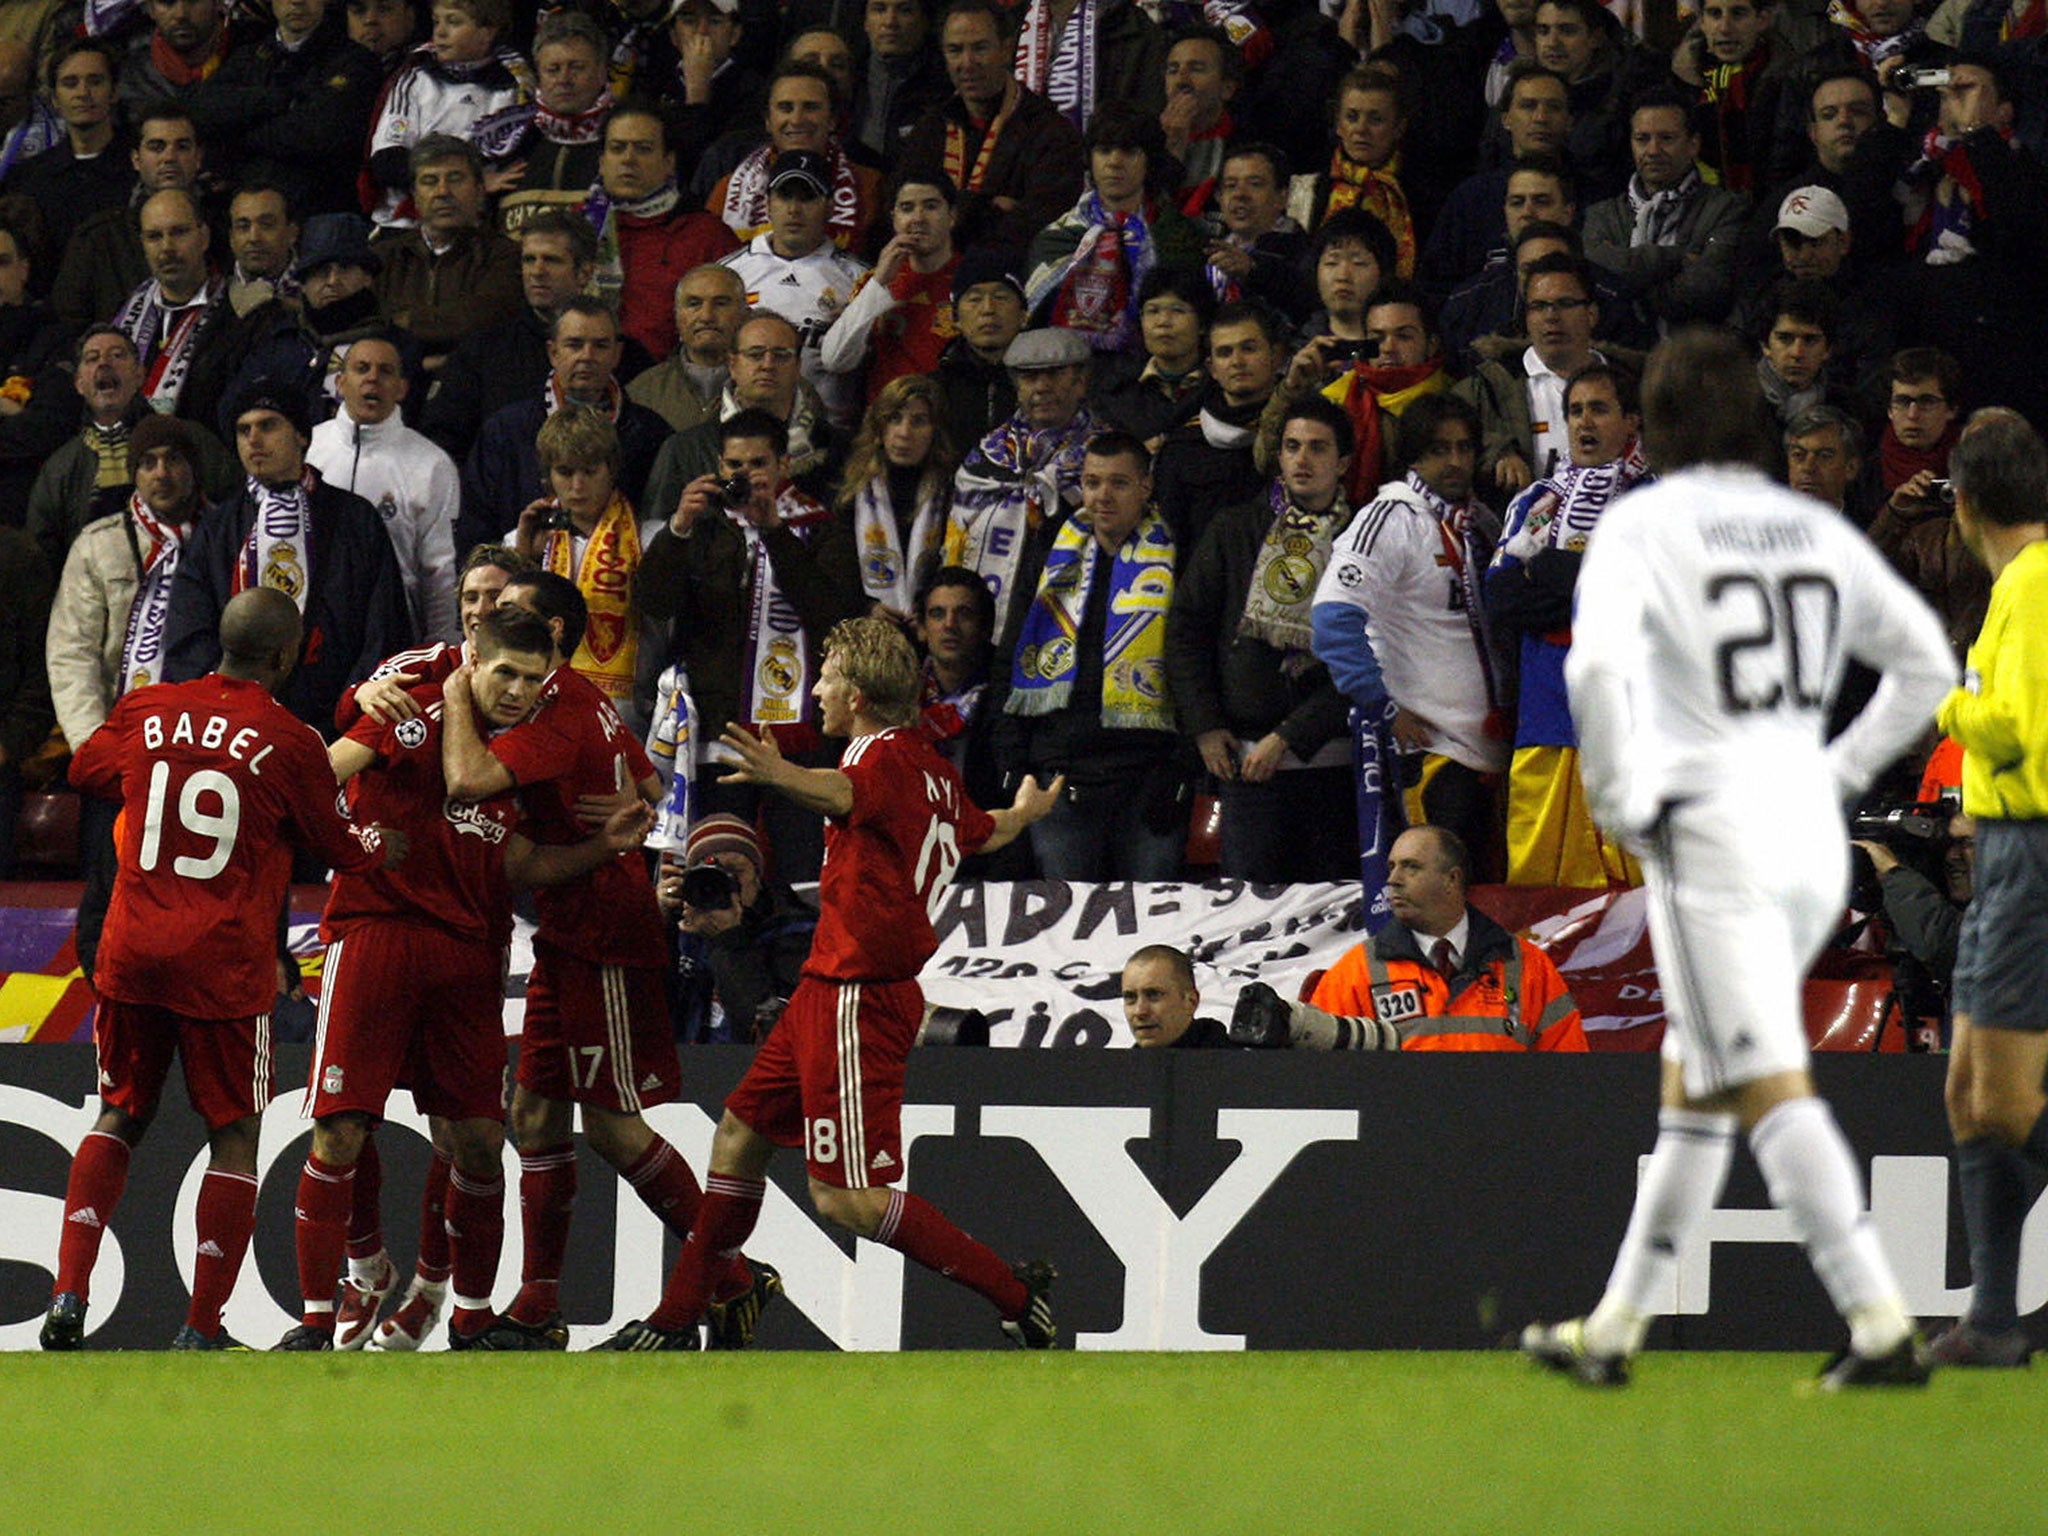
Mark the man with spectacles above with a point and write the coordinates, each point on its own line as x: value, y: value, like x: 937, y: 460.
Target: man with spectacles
x: 765, y: 374
x: 1916, y: 528
x: 1520, y: 400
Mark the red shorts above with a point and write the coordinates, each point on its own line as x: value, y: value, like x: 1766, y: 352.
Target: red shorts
x: 830, y: 1076
x: 597, y: 1034
x: 226, y: 1061
x: 411, y: 1004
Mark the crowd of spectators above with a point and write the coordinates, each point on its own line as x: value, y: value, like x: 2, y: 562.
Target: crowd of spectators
x: 1200, y: 384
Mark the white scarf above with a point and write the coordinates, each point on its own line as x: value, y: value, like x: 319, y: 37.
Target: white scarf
x: 779, y: 675
x: 888, y: 572
x: 279, y: 549
x: 1657, y: 213
x: 672, y: 747
x: 142, y: 649
x: 166, y: 353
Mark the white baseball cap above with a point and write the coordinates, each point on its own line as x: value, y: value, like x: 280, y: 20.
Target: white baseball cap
x: 1813, y: 212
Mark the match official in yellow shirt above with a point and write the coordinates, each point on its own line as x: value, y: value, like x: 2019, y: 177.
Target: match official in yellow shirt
x: 1996, y: 1106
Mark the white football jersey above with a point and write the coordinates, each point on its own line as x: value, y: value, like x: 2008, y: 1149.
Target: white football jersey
x: 809, y: 292
x: 1716, y: 613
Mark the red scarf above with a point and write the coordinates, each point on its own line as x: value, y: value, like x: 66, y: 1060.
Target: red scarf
x: 1362, y: 405
x: 1379, y: 194
x: 955, y: 158
x: 1897, y: 463
x: 1727, y: 90
x: 172, y: 66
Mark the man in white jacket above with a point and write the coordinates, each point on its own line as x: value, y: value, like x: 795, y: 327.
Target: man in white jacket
x: 416, y: 487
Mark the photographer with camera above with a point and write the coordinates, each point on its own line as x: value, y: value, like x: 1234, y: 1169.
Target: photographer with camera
x: 1917, y: 865
x: 743, y: 936
x: 751, y: 573
x: 1399, y: 361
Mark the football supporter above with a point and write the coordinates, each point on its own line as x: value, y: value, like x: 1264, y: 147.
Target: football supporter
x: 411, y: 984
x: 217, y: 779
x: 830, y: 1076
x: 1442, y: 976
x: 901, y: 316
x: 597, y: 1036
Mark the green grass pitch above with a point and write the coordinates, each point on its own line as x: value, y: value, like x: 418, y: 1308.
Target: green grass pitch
x: 1002, y: 1442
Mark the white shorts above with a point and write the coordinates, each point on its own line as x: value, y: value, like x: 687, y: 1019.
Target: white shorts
x: 1743, y: 892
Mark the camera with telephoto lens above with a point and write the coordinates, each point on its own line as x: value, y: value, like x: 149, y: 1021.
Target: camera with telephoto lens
x: 1924, y: 78
x: 1917, y: 835
x: 709, y: 888
x: 736, y: 492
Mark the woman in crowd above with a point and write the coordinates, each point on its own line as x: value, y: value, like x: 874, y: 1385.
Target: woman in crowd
x: 898, y: 480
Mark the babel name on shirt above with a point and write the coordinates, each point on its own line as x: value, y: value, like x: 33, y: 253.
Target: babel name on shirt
x: 212, y: 736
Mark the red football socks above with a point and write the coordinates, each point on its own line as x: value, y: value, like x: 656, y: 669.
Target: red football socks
x: 226, y: 1217
x: 665, y: 1185
x: 915, y: 1227
x: 366, y: 1214
x: 99, y: 1173
x: 476, y: 1234
x: 320, y: 1232
x: 433, y: 1263
x: 547, y: 1194
x: 725, y: 1219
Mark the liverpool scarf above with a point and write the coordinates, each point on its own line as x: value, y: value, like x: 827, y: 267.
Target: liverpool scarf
x: 1379, y: 194
x: 1094, y: 287
x: 611, y: 640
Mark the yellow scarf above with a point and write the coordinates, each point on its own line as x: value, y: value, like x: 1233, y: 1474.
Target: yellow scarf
x: 1378, y: 193
x: 611, y: 641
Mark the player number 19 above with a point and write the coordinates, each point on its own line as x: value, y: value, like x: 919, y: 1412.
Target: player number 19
x: 221, y: 824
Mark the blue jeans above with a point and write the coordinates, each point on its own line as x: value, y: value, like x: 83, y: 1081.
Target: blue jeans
x: 1105, y: 836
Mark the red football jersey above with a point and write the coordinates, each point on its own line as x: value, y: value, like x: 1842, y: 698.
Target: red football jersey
x: 574, y: 744
x: 217, y: 779
x: 455, y: 874
x: 429, y: 663
x: 889, y: 858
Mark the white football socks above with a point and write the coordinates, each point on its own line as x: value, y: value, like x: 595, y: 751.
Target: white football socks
x: 1680, y: 1184
x: 1813, y: 1178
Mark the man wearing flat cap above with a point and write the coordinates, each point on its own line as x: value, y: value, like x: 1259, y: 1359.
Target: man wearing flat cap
x: 287, y: 528
x: 1024, y: 478
x: 335, y: 271
x: 793, y: 268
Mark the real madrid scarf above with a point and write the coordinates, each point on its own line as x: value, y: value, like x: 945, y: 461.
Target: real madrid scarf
x: 888, y: 571
x: 506, y: 130
x: 604, y: 211
x: 1094, y: 287
x: 1284, y: 578
x: 279, y: 550
x: 745, y: 209
x: 672, y: 748
x: 777, y: 685
x: 1560, y: 513
x: 1014, y: 479
x: 142, y: 649
x: 1062, y: 69
x: 1133, y: 641
x: 166, y: 338
x: 611, y: 640
x: 1378, y: 193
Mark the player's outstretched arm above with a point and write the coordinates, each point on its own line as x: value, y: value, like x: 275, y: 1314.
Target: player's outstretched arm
x: 825, y: 790
x: 349, y: 757
x: 528, y: 863
x: 1034, y: 802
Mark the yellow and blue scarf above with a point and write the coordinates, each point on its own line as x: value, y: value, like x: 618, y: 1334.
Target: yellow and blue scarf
x: 1134, y: 695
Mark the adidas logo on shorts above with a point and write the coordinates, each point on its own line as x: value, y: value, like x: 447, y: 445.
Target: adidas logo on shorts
x: 85, y: 1217
x: 210, y: 1250
x: 650, y: 1082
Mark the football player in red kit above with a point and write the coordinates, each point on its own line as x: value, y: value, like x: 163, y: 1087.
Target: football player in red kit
x: 387, y: 694
x: 597, y: 1033
x: 217, y: 780
x: 830, y: 1076
x: 413, y: 987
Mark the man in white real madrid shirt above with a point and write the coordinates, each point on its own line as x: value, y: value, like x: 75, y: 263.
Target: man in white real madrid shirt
x: 1716, y: 614
x: 414, y: 486
x: 793, y: 268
